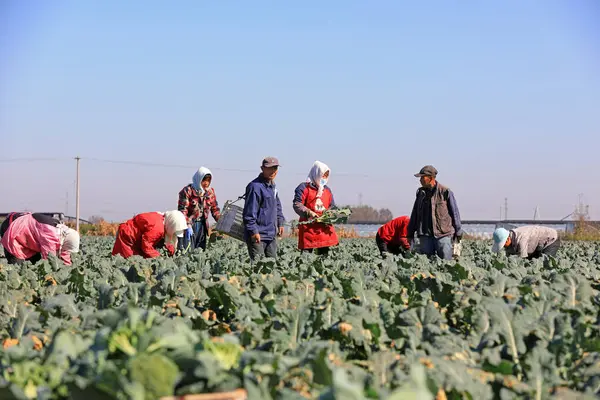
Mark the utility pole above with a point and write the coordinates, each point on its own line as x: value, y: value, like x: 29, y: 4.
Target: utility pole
x: 506, y: 208
x: 536, y: 213
x: 77, y: 196
x: 360, y: 196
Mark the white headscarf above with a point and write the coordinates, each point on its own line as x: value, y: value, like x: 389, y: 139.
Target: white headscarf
x: 197, y: 179
x: 69, y: 239
x: 315, y: 176
x: 175, y: 224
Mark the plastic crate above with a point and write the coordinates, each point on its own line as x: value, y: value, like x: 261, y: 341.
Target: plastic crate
x: 231, y: 222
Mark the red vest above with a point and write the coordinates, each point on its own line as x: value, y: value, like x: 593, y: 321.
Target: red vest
x: 316, y: 235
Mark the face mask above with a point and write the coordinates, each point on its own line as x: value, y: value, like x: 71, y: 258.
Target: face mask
x: 323, y: 182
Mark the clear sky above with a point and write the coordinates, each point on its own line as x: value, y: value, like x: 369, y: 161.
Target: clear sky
x: 503, y: 97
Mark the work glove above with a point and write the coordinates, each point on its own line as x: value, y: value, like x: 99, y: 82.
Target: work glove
x: 188, y: 233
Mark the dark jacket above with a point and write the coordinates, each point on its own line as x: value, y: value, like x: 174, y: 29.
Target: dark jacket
x: 262, y: 210
x: 443, y: 218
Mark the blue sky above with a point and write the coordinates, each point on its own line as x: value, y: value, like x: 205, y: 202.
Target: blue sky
x: 502, y: 97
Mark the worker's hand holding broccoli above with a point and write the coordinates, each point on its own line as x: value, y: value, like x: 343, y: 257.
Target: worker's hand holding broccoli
x: 311, y: 214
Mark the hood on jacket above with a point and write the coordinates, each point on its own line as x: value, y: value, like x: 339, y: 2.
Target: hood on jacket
x: 315, y: 176
x: 175, y: 224
x: 69, y: 239
x: 198, y: 177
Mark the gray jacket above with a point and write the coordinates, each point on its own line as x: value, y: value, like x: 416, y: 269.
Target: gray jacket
x: 527, y: 239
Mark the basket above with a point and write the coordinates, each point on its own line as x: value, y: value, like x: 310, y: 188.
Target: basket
x: 231, y: 222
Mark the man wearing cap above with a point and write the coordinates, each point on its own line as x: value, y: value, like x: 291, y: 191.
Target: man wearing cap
x: 527, y: 241
x: 263, y: 215
x: 435, y: 217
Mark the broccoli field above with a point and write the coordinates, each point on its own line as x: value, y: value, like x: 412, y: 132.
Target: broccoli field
x: 349, y: 326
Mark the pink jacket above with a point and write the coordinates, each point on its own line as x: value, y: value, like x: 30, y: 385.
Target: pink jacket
x: 27, y: 237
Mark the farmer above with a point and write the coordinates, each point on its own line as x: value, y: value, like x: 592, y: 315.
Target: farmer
x: 145, y: 233
x: 392, y: 237
x: 195, y: 201
x: 527, y: 241
x: 32, y: 237
x: 435, y: 217
x: 263, y: 215
x: 311, y: 199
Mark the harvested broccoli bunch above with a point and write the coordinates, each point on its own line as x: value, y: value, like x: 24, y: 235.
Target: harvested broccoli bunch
x: 157, y: 373
x: 331, y: 216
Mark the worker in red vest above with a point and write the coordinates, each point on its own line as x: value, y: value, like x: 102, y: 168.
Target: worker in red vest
x: 311, y: 199
x: 393, y: 237
x: 146, y: 233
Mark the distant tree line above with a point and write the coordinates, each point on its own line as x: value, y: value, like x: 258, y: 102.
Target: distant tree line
x: 368, y: 214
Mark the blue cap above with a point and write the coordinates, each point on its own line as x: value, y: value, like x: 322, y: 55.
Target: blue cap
x: 500, y: 238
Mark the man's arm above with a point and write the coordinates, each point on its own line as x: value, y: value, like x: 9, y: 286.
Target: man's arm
x: 280, y: 217
x: 454, y: 214
x: 250, y: 212
x: 412, y: 225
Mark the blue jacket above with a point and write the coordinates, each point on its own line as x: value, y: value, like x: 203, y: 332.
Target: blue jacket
x: 262, y: 210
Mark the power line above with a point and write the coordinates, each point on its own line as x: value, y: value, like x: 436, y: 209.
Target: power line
x: 153, y: 164
x: 32, y: 159
x: 164, y: 165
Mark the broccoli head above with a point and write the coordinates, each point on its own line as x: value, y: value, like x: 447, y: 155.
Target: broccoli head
x: 157, y: 373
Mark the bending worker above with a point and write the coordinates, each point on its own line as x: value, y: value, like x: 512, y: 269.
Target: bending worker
x: 393, y: 237
x: 311, y: 199
x: 527, y: 241
x: 32, y: 237
x: 195, y: 201
x: 146, y: 233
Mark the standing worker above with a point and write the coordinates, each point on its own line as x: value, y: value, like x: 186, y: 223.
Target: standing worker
x: 263, y: 215
x: 146, y: 233
x: 311, y: 199
x: 435, y: 217
x: 392, y: 237
x: 32, y: 237
x: 527, y: 241
x: 195, y: 201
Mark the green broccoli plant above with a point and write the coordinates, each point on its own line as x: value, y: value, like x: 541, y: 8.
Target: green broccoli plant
x: 331, y: 217
x: 155, y: 372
